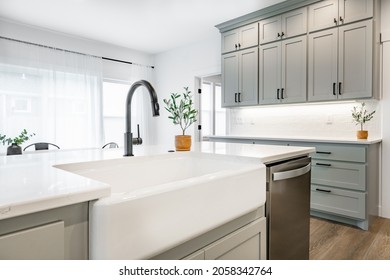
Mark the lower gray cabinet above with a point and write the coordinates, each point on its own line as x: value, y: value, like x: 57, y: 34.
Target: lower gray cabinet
x: 60, y: 233
x: 45, y: 242
x: 246, y: 243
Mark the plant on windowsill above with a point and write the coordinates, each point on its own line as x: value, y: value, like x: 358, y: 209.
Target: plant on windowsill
x: 14, y: 148
x: 360, y: 117
x: 182, y: 112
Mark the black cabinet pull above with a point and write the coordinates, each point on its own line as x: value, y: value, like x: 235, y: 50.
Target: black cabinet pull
x: 282, y: 35
x: 339, y: 88
x: 341, y: 19
x: 334, y: 88
x: 278, y: 34
x: 323, y: 164
x: 281, y: 94
x: 277, y: 93
x: 321, y: 190
x: 239, y: 97
x: 335, y: 20
x: 235, y: 45
x: 320, y: 152
x: 235, y: 97
x: 239, y: 45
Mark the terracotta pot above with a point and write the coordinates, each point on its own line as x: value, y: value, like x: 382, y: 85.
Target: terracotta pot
x: 183, y: 142
x: 362, y: 134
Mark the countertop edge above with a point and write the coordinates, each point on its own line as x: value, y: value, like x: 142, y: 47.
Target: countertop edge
x: 300, y: 139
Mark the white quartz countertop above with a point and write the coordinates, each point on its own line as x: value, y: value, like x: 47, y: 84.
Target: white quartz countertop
x: 336, y: 140
x: 29, y: 183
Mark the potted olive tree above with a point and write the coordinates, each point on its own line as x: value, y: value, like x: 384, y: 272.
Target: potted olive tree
x: 182, y: 113
x: 360, y: 117
x: 14, y: 148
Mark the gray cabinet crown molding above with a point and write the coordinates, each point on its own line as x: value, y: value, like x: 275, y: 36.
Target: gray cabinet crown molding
x: 267, y: 12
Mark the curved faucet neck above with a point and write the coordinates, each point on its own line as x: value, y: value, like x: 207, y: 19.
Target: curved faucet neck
x: 155, y: 110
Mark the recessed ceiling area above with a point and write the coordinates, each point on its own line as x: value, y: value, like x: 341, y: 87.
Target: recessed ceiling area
x: 151, y: 26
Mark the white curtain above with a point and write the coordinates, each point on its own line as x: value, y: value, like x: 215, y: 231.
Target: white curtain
x: 118, y: 79
x: 53, y: 93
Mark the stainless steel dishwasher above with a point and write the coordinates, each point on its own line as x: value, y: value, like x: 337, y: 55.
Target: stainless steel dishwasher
x: 288, y: 209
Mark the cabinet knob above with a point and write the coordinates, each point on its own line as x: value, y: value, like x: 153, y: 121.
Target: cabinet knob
x: 341, y: 19
x: 281, y: 36
x: 278, y: 35
x: 335, y: 21
x: 235, y: 45
x: 239, y: 45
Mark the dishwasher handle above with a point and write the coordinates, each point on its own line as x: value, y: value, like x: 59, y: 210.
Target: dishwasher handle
x: 277, y: 176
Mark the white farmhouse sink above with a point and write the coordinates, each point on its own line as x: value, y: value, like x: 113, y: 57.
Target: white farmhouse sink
x: 159, y: 202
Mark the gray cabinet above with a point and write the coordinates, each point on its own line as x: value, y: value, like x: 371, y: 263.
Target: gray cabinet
x: 240, y: 38
x: 240, y: 78
x: 282, y: 71
x: 344, y: 179
x: 60, y: 233
x: 44, y: 242
x: 283, y: 26
x: 331, y: 13
x: 246, y: 243
x: 340, y: 62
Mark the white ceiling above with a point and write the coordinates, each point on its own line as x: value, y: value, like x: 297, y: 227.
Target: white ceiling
x: 151, y: 26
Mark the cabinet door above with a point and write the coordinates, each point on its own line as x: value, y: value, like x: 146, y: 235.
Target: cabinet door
x: 270, y: 29
x: 269, y: 73
x: 322, y: 65
x: 248, y: 36
x: 294, y: 23
x: 323, y: 15
x: 247, y: 243
x: 354, y: 10
x: 294, y: 70
x: 44, y: 242
x: 229, y: 79
x: 248, y: 77
x: 355, y: 60
x: 230, y: 41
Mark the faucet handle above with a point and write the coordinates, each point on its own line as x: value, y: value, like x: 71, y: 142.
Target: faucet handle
x: 138, y: 140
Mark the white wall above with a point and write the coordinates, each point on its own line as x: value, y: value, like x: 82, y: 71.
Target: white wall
x: 176, y: 69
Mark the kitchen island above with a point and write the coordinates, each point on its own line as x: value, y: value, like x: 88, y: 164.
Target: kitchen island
x: 35, y: 195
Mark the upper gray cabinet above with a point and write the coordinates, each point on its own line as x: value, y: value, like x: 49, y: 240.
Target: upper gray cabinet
x: 239, y: 78
x: 240, y: 38
x: 283, y: 26
x: 340, y: 62
x: 282, y: 71
x: 331, y: 13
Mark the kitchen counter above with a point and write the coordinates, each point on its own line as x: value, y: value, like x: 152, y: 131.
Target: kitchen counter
x: 337, y: 140
x: 30, y: 183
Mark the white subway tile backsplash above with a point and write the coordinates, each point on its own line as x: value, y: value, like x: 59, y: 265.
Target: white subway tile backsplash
x: 322, y: 120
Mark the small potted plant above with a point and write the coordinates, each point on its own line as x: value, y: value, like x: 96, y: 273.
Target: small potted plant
x: 360, y: 117
x: 15, y: 143
x: 180, y: 107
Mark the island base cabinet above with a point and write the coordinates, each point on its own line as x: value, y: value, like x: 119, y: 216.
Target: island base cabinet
x: 60, y: 233
x: 44, y: 242
x: 246, y: 243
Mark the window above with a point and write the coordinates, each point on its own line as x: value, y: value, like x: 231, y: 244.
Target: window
x: 53, y: 93
x: 114, y: 111
x: 212, y: 115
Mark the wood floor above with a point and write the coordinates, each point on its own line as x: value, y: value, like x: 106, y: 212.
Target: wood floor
x: 335, y: 241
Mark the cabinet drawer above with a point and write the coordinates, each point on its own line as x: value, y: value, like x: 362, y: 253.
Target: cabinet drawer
x: 342, y: 202
x: 339, y: 174
x: 340, y: 152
